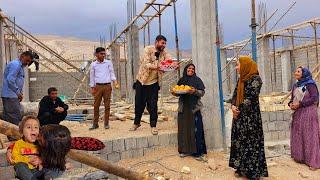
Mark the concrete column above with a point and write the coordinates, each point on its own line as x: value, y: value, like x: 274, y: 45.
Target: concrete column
x: 2, y: 58
x: 133, y: 60
x: 264, y: 65
x: 204, y: 56
x: 286, y: 71
x: 26, y: 94
x: 115, y: 58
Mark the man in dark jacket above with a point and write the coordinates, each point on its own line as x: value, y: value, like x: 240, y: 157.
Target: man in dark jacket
x: 52, y: 109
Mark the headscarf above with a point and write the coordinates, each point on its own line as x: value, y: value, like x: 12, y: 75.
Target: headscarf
x: 306, y: 78
x: 248, y: 68
x: 193, y: 81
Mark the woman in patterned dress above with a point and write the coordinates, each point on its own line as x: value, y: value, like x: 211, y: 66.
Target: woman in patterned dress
x: 247, y: 155
x: 305, y: 131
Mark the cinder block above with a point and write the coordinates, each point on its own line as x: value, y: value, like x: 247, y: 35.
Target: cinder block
x: 153, y: 141
x: 126, y: 154
x: 287, y: 115
x: 173, y: 139
x: 272, y: 126
x: 273, y: 116
x: 275, y: 135
x: 265, y: 116
x: 164, y: 139
x: 265, y: 128
x: 108, y: 147
x: 148, y: 150
x: 279, y: 115
x: 7, y: 173
x: 142, y: 142
x: 137, y: 153
x: 282, y: 135
x: 118, y: 145
x: 267, y: 136
x: 130, y: 143
x: 3, y: 159
x: 114, y: 157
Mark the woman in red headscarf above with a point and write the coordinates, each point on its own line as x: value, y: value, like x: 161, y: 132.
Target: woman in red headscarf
x: 247, y: 154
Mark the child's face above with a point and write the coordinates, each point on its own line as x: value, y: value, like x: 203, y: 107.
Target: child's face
x: 31, y: 130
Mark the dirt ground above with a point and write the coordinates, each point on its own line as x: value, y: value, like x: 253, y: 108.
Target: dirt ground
x: 118, y: 129
x: 166, y: 163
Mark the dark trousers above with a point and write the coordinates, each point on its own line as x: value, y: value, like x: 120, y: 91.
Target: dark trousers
x: 52, y: 118
x: 24, y: 173
x: 146, y: 95
x: 11, y: 111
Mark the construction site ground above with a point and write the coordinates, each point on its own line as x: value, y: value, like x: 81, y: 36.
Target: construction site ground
x: 165, y: 163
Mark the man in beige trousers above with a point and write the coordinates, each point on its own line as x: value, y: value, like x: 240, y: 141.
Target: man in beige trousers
x: 101, y: 77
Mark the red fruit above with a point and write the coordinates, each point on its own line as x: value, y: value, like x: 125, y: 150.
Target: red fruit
x: 169, y: 61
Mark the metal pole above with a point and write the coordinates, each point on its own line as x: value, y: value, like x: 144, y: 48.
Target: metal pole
x: 254, y: 30
x: 148, y: 33
x: 274, y: 60
x: 223, y: 126
x: 176, y: 34
x: 316, y: 41
x: 159, y: 20
x: 144, y: 37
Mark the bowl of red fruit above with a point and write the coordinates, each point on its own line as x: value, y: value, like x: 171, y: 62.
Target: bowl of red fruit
x: 168, y: 65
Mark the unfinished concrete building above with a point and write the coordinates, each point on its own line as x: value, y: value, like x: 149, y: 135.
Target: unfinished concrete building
x: 279, y: 53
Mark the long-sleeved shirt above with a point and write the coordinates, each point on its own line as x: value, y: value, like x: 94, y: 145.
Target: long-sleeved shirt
x: 146, y: 76
x: 101, y: 72
x: 48, y: 105
x: 13, y: 79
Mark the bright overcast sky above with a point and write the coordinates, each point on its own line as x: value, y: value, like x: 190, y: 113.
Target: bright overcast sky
x: 88, y: 19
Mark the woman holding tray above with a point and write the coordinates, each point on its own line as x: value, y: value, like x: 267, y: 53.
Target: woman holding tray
x: 190, y: 127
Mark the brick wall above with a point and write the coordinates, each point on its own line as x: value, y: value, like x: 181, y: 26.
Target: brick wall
x: 276, y: 125
x: 41, y: 81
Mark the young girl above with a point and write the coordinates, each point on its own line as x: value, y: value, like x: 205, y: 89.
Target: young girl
x: 54, y: 145
x: 25, y: 149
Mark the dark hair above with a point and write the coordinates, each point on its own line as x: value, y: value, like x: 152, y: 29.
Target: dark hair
x: 55, y: 147
x: 24, y: 120
x: 161, y: 37
x: 100, y: 49
x: 27, y: 53
x: 51, y: 89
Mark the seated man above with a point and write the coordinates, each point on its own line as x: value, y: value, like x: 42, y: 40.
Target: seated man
x: 52, y: 109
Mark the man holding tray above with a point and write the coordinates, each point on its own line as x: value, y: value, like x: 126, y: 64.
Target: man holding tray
x: 147, y: 84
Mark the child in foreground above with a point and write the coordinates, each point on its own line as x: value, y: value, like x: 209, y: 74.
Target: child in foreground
x: 25, y: 150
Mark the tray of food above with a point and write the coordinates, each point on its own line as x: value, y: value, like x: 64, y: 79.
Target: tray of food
x: 168, y: 65
x: 181, y: 89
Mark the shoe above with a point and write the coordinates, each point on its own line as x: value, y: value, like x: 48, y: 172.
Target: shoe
x: 183, y: 155
x: 94, y: 127
x: 134, y: 127
x: 106, y: 126
x: 313, y: 169
x: 154, y: 131
x: 202, y: 158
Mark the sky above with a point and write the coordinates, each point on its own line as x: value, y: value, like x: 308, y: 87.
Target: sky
x: 90, y: 19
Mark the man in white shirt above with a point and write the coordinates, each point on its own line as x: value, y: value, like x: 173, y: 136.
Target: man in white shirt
x: 101, y: 76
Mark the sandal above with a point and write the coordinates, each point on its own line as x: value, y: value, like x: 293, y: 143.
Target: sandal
x: 154, y: 131
x: 183, y: 155
x: 202, y: 158
x: 134, y: 127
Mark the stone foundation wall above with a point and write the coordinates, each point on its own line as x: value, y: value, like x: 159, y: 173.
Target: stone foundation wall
x: 276, y: 125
